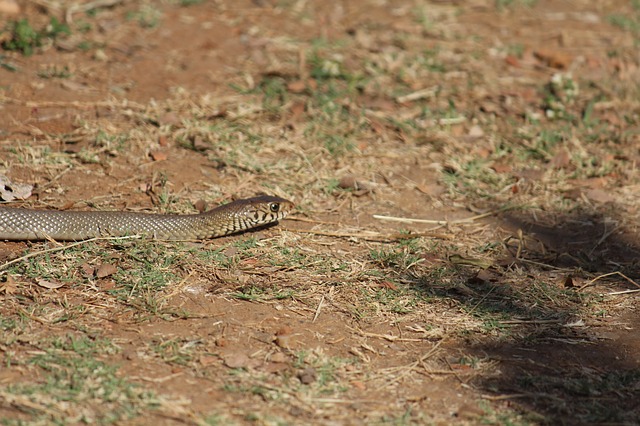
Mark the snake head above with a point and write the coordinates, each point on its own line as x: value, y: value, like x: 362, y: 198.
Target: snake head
x: 262, y: 210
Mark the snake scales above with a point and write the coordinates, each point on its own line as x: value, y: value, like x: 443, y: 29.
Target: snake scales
x: 237, y: 216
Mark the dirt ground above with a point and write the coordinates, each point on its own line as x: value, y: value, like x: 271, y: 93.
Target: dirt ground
x: 465, y: 240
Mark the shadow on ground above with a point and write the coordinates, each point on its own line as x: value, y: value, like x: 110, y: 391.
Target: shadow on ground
x: 562, y: 362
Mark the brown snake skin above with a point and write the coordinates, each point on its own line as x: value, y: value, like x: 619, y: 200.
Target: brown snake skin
x: 237, y: 216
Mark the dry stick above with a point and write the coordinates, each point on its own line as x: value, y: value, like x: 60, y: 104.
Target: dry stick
x: 444, y: 222
x: 409, y: 368
x: 607, y: 275
x: 74, y: 104
x: 372, y: 236
x: 481, y: 300
x: 64, y: 247
x: 315, y: 317
x: 83, y: 8
x: 613, y: 293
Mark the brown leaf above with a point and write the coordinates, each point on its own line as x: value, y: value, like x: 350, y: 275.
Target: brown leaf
x: 359, y: 385
x: 307, y: 376
x: 389, y: 285
x: 207, y: 360
x: 284, y: 330
x: 236, y: 360
x: 87, y: 269
x: 275, y: 367
x: 501, y: 167
x: 600, y: 196
x: 475, y: 132
x: 279, y: 357
x: 284, y: 341
x: 48, y: 284
x: 297, y: 86
x: 169, y: 119
x: 431, y: 189
x: 561, y: 160
x: 568, y: 282
x: 108, y: 285
x: 296, y: 111
x: 10, y: 191
x: 483, y: 276
x: 377, y: 126
x: 10, y: 286
x: 530, y: 174
x: 9, y: 7
x: 200, y: 144
x: 159, y: 155
x: 512, y: 61
x: 553, y: 58
x: 105, y: 270
x: 201, y: 206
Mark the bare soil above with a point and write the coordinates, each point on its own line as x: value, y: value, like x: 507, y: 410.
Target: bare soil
x: 510, y: 130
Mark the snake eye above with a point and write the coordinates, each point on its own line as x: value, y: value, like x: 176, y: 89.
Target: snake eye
x: 274, y: 207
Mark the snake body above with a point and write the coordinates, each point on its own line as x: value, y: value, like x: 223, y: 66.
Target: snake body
x: 237, y: 216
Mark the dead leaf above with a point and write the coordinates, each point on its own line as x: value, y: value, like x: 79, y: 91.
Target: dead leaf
x: 377, y: 126
x: 501, y: 167
x: 553, y: 58
x: 530, y: 174
x: 159, y: 155
x: 359, y: 385
x: 512, y: 61
x: 9, y: 7
x: 600, y: 196
x: 296, y: 111
x: 169, y: 119
x: 389, y: 285
x: 568, y: 282
x: 10, y: 191
x: 108, y: 285
x: 48, y: 284
x: 201, y: 206
x: 10, y: 286
x: 199, y: 144
x: 275, y: 367
x: 105, y: 270
x: 456, y: 259
x: 207, y: 360
x: 279, y: 358
x: 431, y: 189
x: 483, y: 276
x: 284, y: 341
x: 561, y: 160
x: 307, y: 376
x: 87, y: 269
x: 284, y: 330
x: 297, y: 86
x: 475, y: 132
x: 236, y: 360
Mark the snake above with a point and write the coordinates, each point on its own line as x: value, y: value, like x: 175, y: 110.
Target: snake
x: 234, y: 217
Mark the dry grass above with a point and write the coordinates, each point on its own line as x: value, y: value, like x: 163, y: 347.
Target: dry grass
x: 464, y: 241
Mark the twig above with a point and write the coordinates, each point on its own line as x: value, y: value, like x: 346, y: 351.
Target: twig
x: 481, y: 300
x: 315, y: 317
x: 420, y: 94
x: 83, y: 8
x: 444, y: 222
x: 373, y: 236
x: 74, y: 104
x: 613, y: 293
x: 590, y: 283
